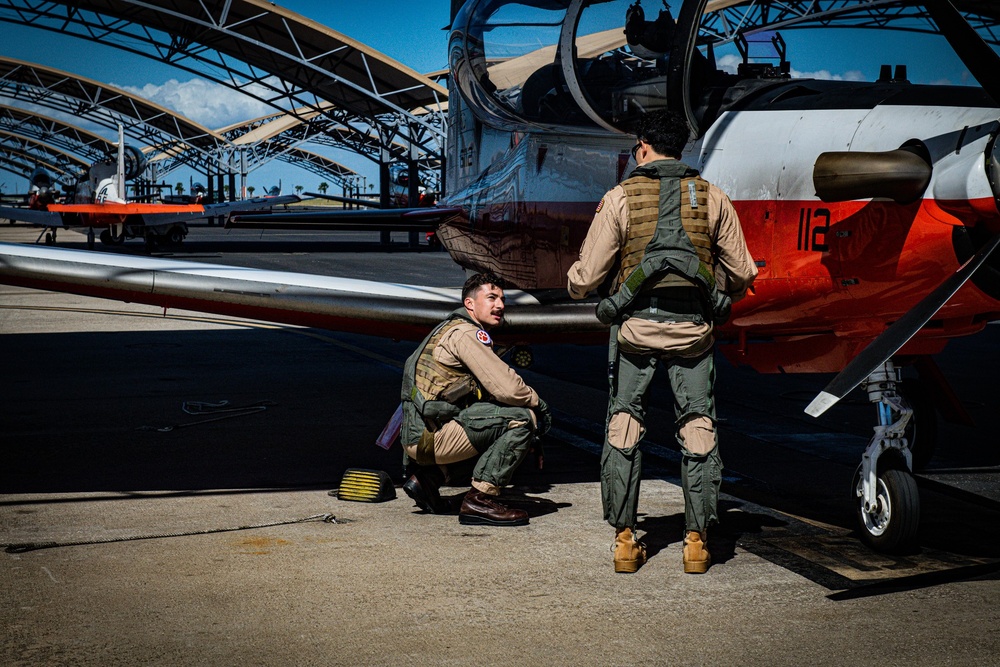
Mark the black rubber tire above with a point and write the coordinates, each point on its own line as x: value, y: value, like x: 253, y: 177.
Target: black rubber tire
x: 175, y: 236
x: 893, y: 527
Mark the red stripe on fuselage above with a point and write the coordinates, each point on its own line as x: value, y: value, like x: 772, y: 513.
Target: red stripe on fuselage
x: 849, y: 267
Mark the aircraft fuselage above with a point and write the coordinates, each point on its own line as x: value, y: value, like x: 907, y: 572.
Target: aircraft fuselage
x: 827, y: 268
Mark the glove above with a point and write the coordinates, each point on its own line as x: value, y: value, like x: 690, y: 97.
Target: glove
x: 544, y: 417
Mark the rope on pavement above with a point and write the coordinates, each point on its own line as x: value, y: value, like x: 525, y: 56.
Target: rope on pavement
x: 34, y: 546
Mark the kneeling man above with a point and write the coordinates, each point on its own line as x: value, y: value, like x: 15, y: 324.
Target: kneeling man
x: 461, y: 401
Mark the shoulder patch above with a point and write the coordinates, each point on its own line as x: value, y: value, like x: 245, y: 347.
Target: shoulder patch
x: 600, y: 205
x: 484, y: 337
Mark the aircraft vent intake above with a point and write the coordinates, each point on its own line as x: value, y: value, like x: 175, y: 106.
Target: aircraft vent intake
x: 901, y: 175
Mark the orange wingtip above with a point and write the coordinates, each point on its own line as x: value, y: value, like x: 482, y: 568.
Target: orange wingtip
x: 126, y: 209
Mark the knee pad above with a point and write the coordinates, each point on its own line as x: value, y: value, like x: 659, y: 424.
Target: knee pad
x: 624, y: 430
x: 697, y: 434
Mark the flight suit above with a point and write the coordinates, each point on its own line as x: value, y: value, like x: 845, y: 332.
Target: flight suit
x: 674, y: 332
x: 494, y: 421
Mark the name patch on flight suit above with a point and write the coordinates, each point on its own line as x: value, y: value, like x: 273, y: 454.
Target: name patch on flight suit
x: 484, y: 337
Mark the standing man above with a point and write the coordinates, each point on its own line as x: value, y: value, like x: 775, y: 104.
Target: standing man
x: 460, y: 401
x: 673, y: 234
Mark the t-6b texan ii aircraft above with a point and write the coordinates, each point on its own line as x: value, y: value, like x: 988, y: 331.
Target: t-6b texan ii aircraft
x: 98, y: 202
x: 870, y: 207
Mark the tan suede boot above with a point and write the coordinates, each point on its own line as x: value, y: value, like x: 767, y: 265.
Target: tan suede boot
x: 696, y: 556
x: 630, y: 553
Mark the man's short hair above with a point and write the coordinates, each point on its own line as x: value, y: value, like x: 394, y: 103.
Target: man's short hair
x: 476, y: 281
x: 665, y: 130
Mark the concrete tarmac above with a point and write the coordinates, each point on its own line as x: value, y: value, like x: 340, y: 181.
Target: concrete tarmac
x: 157, y: 528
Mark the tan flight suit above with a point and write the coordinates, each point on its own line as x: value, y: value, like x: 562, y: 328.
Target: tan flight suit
x: 461, y: 349
x: 676, y: 344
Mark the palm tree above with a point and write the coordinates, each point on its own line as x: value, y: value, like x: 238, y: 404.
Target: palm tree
x: 298, y: 189
x: 250, y: 189
x: 179, y: 188
x: 323, y: 187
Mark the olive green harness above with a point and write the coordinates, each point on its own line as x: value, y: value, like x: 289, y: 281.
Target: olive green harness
x: 666, y: 269
x: 433, y: 393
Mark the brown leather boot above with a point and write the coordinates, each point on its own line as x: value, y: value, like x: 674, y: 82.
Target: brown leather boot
x: 422, y: 487
x: 630, y: 553
x: 482, y: 509
x: 696, y: 556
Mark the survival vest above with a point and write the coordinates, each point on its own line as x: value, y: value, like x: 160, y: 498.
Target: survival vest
x: 667, y: 266
x: 432, y: 393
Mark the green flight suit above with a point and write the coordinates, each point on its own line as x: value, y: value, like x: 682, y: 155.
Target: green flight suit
x: 673, y: 283
x: 501, y: 434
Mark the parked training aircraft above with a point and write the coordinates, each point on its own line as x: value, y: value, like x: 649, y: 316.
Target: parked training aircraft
x: 42, y: 190
x: 98, y: 202
x: 394, y: 215
x: 870, y: 207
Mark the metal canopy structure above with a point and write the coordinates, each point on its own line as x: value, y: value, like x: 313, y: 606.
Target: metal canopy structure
x: 17, y: 162
x: 304, y: 66
x: 52, y: 132
x: 36, y: 150
x: 278, y: 136
x: 724, y: 19
x: 143, y: 121
x: 171, y: 139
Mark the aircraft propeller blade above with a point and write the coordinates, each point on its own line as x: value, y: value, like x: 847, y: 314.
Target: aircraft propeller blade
x: 893, y: 338
x: 900, y: 175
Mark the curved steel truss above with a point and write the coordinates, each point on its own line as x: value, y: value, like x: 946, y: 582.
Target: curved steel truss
x: 147, y: 123
x: 303, y: 66
x: 724, y: 19
x: 172, y: 140
x: 76, y: 140
x: 21, y: 164
x: 36, y: 150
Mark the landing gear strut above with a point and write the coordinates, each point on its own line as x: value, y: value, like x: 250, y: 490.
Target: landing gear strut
x: 888, y: 503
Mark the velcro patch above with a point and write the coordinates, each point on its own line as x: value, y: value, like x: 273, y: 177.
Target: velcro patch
x: 484, y: 337
x: 600, y: 205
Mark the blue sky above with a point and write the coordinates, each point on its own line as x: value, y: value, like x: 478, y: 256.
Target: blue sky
x: 412, y: 33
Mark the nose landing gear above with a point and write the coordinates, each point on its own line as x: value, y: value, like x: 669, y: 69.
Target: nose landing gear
x: 888, y: 503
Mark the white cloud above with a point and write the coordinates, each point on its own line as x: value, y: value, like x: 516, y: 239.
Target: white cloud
x: 210, y: 104
x: 730, y: 62
x: 850, y: 75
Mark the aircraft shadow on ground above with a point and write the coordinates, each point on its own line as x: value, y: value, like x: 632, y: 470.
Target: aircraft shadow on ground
x: 102, y: 411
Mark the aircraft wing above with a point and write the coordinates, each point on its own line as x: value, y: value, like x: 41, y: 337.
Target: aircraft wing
x: 388, y: 310
x: 222, y: 209
x: 387, y: 219
x: 129, y: 208
x: 31, y: 216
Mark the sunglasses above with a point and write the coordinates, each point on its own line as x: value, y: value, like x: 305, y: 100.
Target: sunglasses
x: 635, y: 149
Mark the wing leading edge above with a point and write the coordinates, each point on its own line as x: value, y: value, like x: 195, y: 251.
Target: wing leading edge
x: 389, y: 219
x: 31, y: 216
x: 151, y: 214
x: 389, y: 310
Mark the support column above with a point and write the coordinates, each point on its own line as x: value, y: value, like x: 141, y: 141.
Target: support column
x: 413, y: 198
x: 384, y: 192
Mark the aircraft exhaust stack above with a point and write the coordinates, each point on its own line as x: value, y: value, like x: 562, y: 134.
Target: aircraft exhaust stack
x: 901, y: 175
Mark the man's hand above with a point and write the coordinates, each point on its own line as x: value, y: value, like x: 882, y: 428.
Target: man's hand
x: 544, y: 417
